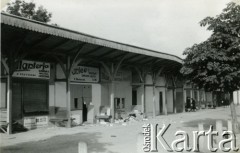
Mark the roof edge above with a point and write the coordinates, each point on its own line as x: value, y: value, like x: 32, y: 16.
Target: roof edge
x: 37, y: 26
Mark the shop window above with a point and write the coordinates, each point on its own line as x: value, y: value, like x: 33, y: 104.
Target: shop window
x: 35, y: 97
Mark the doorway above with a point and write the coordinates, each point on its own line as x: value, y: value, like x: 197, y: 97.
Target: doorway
x: 161, y: 102
x: 81, y: 97
x: 134, y: 97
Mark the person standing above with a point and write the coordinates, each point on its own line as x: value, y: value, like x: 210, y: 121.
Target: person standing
x: 193, y: 105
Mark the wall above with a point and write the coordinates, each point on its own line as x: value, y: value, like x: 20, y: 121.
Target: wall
x: 60, y: 94
x: 3, y: 95
x: 169, y: 101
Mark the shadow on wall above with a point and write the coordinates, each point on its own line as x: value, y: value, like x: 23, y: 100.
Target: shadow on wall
x: 61, y: 144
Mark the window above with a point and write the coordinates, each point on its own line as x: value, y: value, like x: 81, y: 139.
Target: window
x: 35, y: 98
x: 119, y: 103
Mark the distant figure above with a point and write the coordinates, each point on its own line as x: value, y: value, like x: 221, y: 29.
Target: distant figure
x: 188, y: 104
x: 193, y: 108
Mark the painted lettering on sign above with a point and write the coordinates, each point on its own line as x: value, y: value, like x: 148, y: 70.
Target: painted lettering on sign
x: 85, y: 74
x: 32, y: 69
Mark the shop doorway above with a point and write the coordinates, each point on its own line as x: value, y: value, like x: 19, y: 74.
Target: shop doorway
x: 161, y: 102
x: 85, y: 110
x: 134, y: 97
x: 81, y: 97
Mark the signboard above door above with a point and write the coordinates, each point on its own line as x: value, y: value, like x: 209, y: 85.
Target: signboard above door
x: 32, y: 69
x: 85, y: 74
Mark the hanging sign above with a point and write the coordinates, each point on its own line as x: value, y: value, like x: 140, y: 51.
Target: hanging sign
x: 85, y: 74
x: 32, y: 69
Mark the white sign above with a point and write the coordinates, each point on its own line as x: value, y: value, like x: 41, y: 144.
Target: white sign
x: 85, y: 74
x: 32, y: 69
x: 34, y: 122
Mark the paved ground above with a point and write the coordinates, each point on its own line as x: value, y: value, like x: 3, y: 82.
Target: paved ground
x: 117, y: 138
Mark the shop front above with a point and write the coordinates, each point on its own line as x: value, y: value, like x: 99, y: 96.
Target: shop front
x: 30, y: 93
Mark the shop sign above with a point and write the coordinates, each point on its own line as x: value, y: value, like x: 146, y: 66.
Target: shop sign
x: 118, y: 77
x: 85, y: 74
x: 32, y: 69
x: 34, y: 122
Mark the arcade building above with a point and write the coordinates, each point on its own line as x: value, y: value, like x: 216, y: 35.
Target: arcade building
x: 49, y: 72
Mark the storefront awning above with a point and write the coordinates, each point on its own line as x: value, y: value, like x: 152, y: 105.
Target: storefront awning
x: 39, y: 38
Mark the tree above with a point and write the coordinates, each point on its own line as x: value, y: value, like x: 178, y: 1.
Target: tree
x: 215, y: 63
x: 28, y: 10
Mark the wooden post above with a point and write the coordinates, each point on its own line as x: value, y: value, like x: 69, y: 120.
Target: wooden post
x: 9, y: 92
x: 68, y: 100
x: 165, y: 103
x: 174, y: 94
x: 174, y: 100
x: 143, y: 99
x: 9, y: 103
x: 184, y: 99
x: 112, y: 102
x: 154, y: 102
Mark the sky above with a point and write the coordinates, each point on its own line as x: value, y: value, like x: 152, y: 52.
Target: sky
x: 167, y: 26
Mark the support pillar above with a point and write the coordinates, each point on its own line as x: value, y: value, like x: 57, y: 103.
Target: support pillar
x: 154, y: 101
x: 112, y: 102
x: 184, y: 99
x: 9, y: 103
x: 174, y: 100
x: 165, y: 103
x: 68, y: 100
x: 143, y: 98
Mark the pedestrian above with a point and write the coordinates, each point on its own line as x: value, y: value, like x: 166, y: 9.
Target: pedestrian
x: 188, y: 104
x: 193, y: 105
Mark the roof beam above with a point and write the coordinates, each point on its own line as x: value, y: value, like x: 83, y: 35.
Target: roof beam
x: 131, y: 57
x: 92, y: 51
x: 61, y: 43
x: 39, y: 41
x: 111, y: 51
x: 122, y: 54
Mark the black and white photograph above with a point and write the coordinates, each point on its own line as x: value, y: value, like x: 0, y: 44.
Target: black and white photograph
x: 120, y: 76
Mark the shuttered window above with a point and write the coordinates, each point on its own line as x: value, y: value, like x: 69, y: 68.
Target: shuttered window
x: 35, y: 97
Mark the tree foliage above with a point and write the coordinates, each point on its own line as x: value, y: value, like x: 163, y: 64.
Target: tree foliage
x: 215, y: 63
x: 28, y: 10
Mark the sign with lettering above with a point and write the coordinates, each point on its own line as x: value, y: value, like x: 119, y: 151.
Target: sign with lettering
x: 32, y: 69
x: 85, y: 74
x: 34, y: 122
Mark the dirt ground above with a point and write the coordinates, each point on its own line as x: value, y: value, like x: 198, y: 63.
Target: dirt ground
x: 109, y: 138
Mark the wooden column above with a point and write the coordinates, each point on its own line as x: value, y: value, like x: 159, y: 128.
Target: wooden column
x: 174, y: 100
x: 154, y: 101
x: 9, y: 103
x: 9, y: 69
x: 184, y: 99
x: 68, y: 100
x: 112, y: 93
x: 165, y: 102
x: 143, y: 98
x: 174, y: 94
